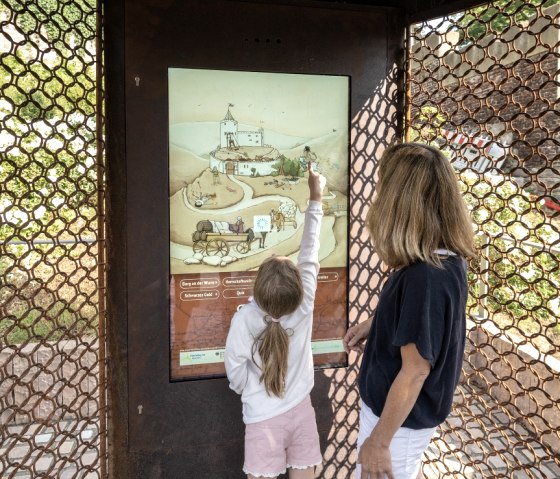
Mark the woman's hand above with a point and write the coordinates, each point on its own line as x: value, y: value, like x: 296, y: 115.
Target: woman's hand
x: 375, y: 460
x: 374, y: 455
x: 354, y: 338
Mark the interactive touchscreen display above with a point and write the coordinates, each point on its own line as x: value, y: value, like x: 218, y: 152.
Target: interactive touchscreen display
x: 239, y: 143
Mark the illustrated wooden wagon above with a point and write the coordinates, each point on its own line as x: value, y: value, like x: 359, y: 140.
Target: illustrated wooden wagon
x: 290, y: 220
x: 211, y: 240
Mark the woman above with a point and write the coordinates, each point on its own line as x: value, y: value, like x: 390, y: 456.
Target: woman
x: 421, y: 230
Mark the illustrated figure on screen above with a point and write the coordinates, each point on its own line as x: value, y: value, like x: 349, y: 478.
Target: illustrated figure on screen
x: 308, y: 156
x: 275, y: 386
x: 215, y: 176
x: 238, y: 227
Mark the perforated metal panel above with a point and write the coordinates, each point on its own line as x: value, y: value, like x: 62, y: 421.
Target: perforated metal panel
x: 52, y: 387
x: 483, y: 86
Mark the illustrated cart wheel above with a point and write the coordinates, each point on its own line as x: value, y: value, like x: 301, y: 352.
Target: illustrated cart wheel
x: 242, y: 247
x: 217, y: 247
x: 199, y: 247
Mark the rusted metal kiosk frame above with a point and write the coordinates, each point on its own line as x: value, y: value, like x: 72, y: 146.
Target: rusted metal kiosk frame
x: 159, y: 429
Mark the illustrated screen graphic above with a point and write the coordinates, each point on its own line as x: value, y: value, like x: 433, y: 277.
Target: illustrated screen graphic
x: 239, y: 144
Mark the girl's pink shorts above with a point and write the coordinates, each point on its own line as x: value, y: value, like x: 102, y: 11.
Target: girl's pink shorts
x: 288, y: 440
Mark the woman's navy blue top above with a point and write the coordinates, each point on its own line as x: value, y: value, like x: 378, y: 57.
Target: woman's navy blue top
x: 424, y: 305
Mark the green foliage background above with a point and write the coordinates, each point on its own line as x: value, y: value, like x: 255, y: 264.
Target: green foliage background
x: 48, y: 170
x: 496, y: 17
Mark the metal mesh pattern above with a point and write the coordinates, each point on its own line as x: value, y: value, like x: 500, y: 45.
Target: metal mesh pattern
x: 51, y: 318
x: 483, y: 85
x: 373, y: 128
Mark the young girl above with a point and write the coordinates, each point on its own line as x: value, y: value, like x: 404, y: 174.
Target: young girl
x: 420, y: 228
x: 269, y: 362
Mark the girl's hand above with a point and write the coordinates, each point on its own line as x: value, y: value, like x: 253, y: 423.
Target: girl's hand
x: 316, y: 184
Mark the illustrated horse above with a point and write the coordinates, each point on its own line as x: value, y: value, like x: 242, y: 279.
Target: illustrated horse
x: 277, y: 219
x: 253, y: 235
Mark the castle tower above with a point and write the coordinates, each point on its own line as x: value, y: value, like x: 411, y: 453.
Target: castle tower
x: 228, y: 129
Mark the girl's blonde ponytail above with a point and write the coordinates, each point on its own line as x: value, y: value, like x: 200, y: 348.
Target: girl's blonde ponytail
x: 278, y: 291
x: 273, y: 349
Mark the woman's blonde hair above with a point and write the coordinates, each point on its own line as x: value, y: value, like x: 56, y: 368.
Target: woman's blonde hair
x: 418, y: 207
x: 278, y: 291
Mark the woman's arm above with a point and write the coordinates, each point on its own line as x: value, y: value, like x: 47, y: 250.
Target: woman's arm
x: 374, y: 453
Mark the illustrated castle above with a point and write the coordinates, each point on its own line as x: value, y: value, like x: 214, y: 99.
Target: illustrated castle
x: 230, y: 137
x: 233, y: 156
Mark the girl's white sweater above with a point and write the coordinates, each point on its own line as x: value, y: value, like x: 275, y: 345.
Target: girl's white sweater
x: 247, y: 323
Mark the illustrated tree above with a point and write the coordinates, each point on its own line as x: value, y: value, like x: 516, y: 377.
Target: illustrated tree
x: 280, y: 166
